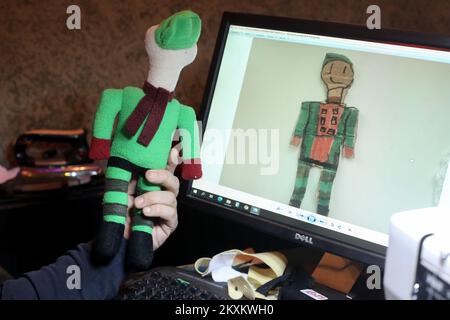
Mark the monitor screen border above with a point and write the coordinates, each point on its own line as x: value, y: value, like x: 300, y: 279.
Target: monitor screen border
x: 321, y: 238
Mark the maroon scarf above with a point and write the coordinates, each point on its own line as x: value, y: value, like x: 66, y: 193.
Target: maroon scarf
x: 153, y: 105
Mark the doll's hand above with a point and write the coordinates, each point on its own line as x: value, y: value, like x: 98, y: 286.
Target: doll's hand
x: 159, y: 204
x: 295, y: 141
x: 99, y: 149
x: 191, y: 169
x: 348, y: 152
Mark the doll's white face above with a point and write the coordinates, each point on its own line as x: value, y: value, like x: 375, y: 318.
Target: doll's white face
x: 175, y: 58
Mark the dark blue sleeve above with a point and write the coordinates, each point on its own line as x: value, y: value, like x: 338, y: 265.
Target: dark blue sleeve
x: 72, y: 276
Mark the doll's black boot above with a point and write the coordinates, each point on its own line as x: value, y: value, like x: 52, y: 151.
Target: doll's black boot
x: 107, y: 243
x: 140, y: 251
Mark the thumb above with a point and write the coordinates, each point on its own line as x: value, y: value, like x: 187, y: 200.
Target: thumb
x: 174, y: 158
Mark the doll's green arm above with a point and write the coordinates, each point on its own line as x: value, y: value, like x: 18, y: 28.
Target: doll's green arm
x: 108, y: 108
x: 302, y: 120
x: 350, y: 133
x: 190, y: 142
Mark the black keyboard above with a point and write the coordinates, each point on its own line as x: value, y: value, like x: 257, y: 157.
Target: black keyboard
x: 170, y: 283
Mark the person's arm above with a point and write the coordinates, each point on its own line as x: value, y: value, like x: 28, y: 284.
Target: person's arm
x: 350, y: 133
x: 301, y: 124
x: 102, y: 282
x: 72, y: 276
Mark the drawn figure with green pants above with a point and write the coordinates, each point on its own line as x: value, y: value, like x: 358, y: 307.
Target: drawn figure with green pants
x: 323, y: 129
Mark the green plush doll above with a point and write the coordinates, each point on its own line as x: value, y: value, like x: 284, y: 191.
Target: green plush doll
x: 142, y: 138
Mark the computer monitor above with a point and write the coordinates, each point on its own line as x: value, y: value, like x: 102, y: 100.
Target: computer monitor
x: 319, y: 132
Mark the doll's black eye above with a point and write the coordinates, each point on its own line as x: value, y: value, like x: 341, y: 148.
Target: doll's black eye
x: 345, y: 68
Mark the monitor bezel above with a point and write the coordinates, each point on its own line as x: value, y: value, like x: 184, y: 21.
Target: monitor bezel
x: 360, y: 250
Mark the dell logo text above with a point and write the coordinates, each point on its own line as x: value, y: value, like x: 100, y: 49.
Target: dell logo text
x: 303, y: 238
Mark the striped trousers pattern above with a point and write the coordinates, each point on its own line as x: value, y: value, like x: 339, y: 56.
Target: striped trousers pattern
x: 115, y: 199
x: 325, y: 186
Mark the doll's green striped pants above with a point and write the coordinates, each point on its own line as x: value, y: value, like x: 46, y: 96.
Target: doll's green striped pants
x: 115, y: 199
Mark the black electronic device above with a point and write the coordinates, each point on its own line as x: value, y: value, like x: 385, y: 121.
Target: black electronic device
x: 53, y: 159
x: 49, y: 148
x: 262, y: 69
x: 171, y: 283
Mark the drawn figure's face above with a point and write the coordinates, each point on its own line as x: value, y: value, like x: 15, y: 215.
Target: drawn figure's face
x: 337, y: 74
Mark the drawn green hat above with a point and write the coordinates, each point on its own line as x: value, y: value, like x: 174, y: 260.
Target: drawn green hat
x: 336, y: 57
x: 179, y: 31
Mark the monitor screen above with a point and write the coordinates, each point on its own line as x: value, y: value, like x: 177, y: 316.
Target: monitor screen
x: 325, y: 135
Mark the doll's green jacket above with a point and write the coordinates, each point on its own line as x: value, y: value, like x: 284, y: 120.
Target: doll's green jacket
x: 120, y: 103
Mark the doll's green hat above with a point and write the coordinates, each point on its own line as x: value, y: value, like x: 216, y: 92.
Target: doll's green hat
x: 179, y: 31
x: 336, y: 57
